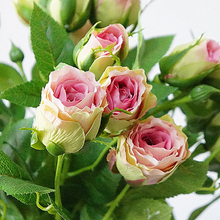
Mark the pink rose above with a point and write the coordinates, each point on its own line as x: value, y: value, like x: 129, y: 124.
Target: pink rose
x: 213, y: 51
x: 90, y: 53
x: 70, y: 110
x: 127, y: 90
x: 151, y: 151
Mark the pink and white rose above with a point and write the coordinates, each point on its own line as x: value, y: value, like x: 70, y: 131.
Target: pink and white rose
x: 127, y: 90
x: 150, y: 152
x: 70, y: 110
x: 90, y: 54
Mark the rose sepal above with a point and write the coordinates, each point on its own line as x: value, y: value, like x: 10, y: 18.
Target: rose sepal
x: 82, y: 42
x: 36, y: 143
x: 55, y: 149
x: 190, y: 82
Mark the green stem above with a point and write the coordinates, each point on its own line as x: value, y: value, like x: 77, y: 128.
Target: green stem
x: 4, y: 210
x: 115, y: 203
x: 212, y: 188
x: 49, y: 209
x: 168, y: 105
x: 58, y: 183
x: 65, y: 170
x: 90, y: 167
x: 22, y: 71
x: 213, y: 154
x: 98, y: 160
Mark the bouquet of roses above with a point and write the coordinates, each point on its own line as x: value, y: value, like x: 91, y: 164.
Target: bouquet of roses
x: 103, y: 143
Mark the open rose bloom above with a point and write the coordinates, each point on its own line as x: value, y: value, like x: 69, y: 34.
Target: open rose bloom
x: 150, y: 152
x: 71, y: 109
x: 90, y: 53
x: 127, y: 90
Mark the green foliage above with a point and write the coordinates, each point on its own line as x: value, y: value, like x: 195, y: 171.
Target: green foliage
x: 9, y: 77
x: 189, y: 177
x: 9, y: 168
x: 143, y: 208
x: 162, y: 90
x: 101, y: 184
x: 89, y: 191
x: 151, y: 51
x: 26, y: 94
x: 21, y: 189
x: 50, y: 42
x: 11, y: 181
x: 198, y: 211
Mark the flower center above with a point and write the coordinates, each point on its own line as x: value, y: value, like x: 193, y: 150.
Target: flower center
x: 157, y: 137
x: 71, y: 92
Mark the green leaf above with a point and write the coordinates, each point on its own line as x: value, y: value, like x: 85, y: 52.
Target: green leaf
x: 101, y: 183
x: 152, y: 51
x: 143, y: 208
x: 10, y: 168
x: 50, y: 42
x: 130, y: 59
x: 16, y: 143
x: 21, y: 189
x: 26, y: 94
x: 12, y: 212
x: 183, y: 181
x: 89, y: 212
x: 9, y: 77
x: 18, y: 112
x: 58, y: 210
x: 198, y: 211
x: 162, y: 90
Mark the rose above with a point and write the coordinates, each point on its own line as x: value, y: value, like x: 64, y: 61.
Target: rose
x: 93, y: 51
x: 70, y: 110
x: 71, y: 14
x: 109, y: 12
x: 127, y: 90
x: 188, y: 64
x: 150, y: 152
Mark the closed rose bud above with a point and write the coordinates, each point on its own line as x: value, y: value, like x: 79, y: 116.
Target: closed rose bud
x: 109, y: 12
x: 96, y: 50
x: 202, y: 93
x: 188, y: 64
x: 25, y: 7
x: 150, y: 152
x: 70, y: 111
x: 126, y: 90
x: 72, y: 14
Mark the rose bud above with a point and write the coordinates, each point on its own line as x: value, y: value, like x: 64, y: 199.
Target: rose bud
x: 70, y: 110
x: 72, y: 14
x: 24, y: 8
x: 97, y: 49
x: 188, y: 64
x: 126, y: 90
x: 109, y: 12
x: 150, y: 152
